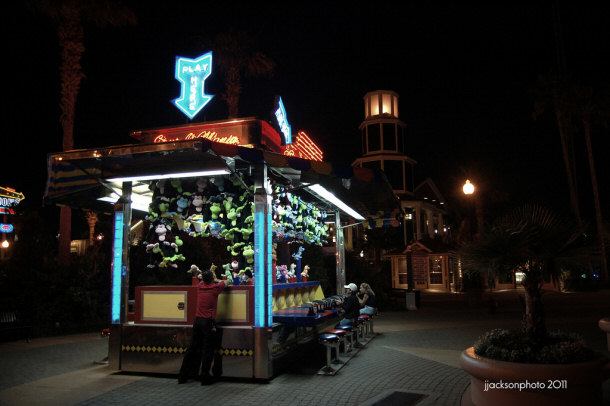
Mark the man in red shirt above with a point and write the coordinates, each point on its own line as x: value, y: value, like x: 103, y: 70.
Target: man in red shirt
x: 204, y: 329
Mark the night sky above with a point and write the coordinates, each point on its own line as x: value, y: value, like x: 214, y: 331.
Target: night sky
x: 465, y: 75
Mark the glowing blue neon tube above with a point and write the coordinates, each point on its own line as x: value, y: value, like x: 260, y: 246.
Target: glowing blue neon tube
x: 117, y: 265
x: 260, y: 281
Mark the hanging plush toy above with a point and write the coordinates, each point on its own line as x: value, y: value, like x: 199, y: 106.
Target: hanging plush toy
x: 160, y: 240
x: 248, y: 253
x: 198, y: 206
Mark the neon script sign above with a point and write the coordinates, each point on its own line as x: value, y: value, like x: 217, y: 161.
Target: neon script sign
x: 192, y: 73
x: 282, y: 121
x: 210, y: 135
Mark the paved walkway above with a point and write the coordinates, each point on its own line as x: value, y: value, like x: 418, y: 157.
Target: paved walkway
x: 414, y: 351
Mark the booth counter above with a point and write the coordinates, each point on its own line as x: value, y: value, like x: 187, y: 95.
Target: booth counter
x: 161, y: 329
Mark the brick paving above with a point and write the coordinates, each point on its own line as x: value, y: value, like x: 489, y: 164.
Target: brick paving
x: 414, y: 351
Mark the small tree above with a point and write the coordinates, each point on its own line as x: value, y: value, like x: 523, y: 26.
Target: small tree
x: 536, y: 241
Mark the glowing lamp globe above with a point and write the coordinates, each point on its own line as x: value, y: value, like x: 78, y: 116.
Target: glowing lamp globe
x: 468, y: 188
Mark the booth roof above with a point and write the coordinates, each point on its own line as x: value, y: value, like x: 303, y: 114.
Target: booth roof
x: 78, y: 178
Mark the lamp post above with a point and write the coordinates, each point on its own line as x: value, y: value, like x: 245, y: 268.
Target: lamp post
x: 469, y: 190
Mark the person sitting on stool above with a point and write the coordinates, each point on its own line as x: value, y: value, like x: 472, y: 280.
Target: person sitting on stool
x: 350, y: 305
x: 367, y: 300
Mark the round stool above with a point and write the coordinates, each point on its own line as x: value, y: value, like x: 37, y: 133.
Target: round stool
x: 369, y: 321
x: 330, y: 341
x: 349, y: 333
x: 342, y: 334
x: 364, y: 320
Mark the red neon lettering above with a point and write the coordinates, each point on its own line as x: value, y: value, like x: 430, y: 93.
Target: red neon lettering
x: 213, y: 136
x: 304, y: 147
x: 210, y: 135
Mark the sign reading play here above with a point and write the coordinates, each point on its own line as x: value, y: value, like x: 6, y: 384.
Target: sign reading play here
x: 192, y: 73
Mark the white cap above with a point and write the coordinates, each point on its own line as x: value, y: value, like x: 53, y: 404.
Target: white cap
x: 352, y: 287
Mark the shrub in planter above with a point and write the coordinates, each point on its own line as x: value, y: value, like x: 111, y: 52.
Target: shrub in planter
x: 540, y: 244
x: 516, y: 346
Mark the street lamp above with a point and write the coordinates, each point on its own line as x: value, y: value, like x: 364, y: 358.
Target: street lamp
x: 468, y: 188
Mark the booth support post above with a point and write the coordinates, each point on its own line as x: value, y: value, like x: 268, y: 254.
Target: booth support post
x: 263, y: 284
x: 119, y: 283
x: 339, y: 254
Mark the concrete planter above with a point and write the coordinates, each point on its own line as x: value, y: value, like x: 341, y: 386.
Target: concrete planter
x: 501, y: 383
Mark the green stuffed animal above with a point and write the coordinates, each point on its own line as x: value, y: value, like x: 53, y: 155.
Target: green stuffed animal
x: 227, y: 273
x: 215, y: 209
x: 235, y: 248
x: 248, y: 252
x: 232, y: 216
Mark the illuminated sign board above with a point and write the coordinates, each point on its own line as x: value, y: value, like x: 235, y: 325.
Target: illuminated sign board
x: 304, y: 147
x: 233, y: 133
x: 9, y: 198
x: 282, y: 121
x: 243, y: 132
x: 192, y: 73
x: 6, y: 228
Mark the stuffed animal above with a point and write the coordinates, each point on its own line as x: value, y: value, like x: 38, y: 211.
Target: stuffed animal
x: 291, y: 276
x: 305, y: 273
x: 195, y: 271
x: 282, y: 271
x: 198, y: 206
x: 236, y: 273
x: 299, y: 254
x: 227, y: 275
x: 248, y: 253
x: 160, y: 240
x: 215, y: 209
x: 180, y: 205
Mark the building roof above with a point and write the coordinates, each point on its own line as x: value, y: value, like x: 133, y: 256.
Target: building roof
x: 78, y: 178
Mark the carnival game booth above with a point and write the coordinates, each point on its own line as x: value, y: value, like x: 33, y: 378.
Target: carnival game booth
x: 227, y: 181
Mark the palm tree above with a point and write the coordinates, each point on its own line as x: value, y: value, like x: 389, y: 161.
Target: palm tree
x: 534, y: 240
x: 69, y: 16
x: 554, y: 93
x: 235, y: 55
x: 587, y: 107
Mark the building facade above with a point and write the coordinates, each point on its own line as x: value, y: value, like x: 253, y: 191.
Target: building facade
x: 385, y: 146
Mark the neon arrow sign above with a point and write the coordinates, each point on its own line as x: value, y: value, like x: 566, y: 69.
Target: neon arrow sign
x: 192, y: 73
x: 11, y: 193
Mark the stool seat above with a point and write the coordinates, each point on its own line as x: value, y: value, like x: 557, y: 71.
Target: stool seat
x: 337, y: 331
x: 365, y: 316
x: 329, y: 337
x: 342, y: 327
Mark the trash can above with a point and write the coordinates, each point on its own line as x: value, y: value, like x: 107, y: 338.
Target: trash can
x: 413, y: 299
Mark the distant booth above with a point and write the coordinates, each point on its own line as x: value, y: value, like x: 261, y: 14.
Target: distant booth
x: 435, y: 267
x: 236, y: 181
